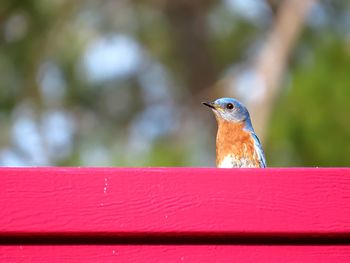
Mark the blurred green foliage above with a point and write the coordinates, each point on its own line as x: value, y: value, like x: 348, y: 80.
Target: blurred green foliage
x: 311, y: 124
x: 53, y: 111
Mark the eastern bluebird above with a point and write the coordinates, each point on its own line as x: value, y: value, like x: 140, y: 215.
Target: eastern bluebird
x: 237, y: 145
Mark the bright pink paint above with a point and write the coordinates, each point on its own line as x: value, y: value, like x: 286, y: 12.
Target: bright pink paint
x: 156, y: 200
x: 172, y: 202
x: 192, y: 253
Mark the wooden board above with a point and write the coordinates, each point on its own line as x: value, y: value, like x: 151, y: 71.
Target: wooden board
x: 201, y: 254
x: 131, y: 201
x: 174, y: 215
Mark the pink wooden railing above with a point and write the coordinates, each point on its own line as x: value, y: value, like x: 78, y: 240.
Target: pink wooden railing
x: 174, y: 215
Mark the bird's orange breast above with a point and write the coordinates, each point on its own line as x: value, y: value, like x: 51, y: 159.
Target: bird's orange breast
x: 234, y: 142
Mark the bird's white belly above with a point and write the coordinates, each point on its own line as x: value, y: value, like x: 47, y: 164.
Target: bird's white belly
x: 231, y: 162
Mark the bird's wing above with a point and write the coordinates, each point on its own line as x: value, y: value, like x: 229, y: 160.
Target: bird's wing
x: 259, y: 150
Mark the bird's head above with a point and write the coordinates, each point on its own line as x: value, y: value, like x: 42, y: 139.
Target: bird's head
x: 229, y: 109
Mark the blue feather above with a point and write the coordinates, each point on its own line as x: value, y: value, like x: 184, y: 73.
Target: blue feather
x: 259, y: 150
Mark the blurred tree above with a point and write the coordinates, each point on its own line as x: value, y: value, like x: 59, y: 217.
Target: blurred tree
x: 120, y: 82
x: 258, y: 85
x: 312, y: 117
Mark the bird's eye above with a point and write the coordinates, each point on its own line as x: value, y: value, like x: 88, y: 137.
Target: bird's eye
x: 229, y: 106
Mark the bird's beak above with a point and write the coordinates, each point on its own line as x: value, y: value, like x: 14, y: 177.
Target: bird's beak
x: 210, y: 105
x: 214, y: 106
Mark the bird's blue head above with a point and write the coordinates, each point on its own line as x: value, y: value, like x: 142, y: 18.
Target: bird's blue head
x: 229, y: 109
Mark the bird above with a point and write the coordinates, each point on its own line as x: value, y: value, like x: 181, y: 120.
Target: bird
x: 237, y: 145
